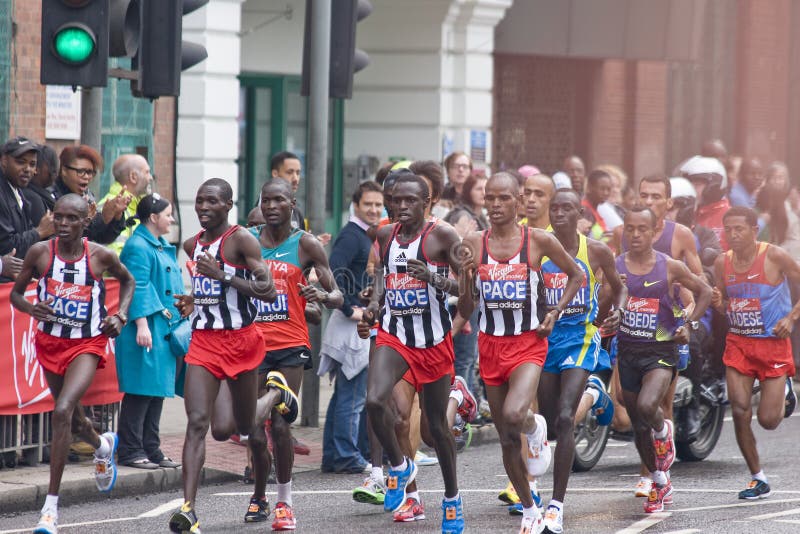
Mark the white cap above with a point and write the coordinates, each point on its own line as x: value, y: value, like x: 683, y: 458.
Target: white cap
x: 703, y: 165
x: 562, y: 180
x: 681, y: 187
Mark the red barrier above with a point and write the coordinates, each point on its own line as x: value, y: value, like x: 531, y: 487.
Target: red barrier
x: 23, y: 389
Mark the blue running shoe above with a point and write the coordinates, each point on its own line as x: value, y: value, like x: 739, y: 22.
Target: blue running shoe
x: 516, y: 509
x: 105, y: 467
x: 396, y: 484
x: 603, y: 401
x: 452, y: 516
x: 756, y: 489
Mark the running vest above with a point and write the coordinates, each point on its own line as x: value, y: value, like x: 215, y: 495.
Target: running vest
x: 79, y: 297
x: 664, y: 242
x: 510, y: 290
x: 415, y: 312
x: 754, y: 305
x: 283, y: 323
x: 582, y: 310
x: 217, y: 307
x: 648, y: 315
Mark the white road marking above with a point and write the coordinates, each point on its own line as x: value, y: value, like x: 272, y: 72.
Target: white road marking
x: 645, y: 523
x: 69, y: 525
x: 791, y: 521
x: 737, y: 505
x: 163, y: 509
x: 776, y: 514
x: 684, y: 531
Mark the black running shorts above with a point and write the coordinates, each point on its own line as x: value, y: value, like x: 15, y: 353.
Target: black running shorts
x: 636, y: 359
x: 274, y: 360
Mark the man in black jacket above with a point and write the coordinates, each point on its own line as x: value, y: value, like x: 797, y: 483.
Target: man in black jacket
x: 38, y: 190
x: 17, y: 232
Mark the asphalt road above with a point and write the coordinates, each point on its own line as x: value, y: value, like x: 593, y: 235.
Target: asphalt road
x: 597, y: 502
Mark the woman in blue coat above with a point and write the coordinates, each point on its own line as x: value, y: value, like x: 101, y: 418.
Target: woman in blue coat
x: 145, y: 363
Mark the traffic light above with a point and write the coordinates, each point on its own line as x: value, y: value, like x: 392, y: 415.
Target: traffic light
x: 74, y: 42
x: 346, y: 59
x: 162, y: 55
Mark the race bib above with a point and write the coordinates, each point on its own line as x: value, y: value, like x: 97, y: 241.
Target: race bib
x: 745, y: 318
x: 554, y: 285
x: 406, y: 295
x: 71, y: 302
x: 503, y: 286
x: 275, y: 311
x: 206, y: 291
x: 640, y: 318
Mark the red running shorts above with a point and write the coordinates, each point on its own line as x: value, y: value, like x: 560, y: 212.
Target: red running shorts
x: 500, y: 355
x: 226, y: 353
x: 56, y: 353
x: 425, y: 366
x: 759, y: 357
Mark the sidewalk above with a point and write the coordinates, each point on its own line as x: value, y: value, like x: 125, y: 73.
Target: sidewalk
x: 24, y: 488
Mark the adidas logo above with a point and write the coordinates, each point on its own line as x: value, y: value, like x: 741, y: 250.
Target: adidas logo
x: 401, y: 258
x: 569, y: 361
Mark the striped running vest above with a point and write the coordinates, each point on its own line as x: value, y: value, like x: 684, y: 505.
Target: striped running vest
x: 78, y: 296
x: 582, y: 310
x: 510, y: 291
x: 754, y: 304
x: 283, y: 322
x: 217, y: 307
x: 415, y: 312
x: 649, y: 312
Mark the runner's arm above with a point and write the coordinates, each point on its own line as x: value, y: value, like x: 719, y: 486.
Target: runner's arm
x: 791, y: 270
x: 111, y: 264
x: 467, y: 295
x: 611, y: 279
x: 719, y: 295
x: 261, y: 285
x: 30, y: 268
x: 679, y: 273
x: 332, y: 297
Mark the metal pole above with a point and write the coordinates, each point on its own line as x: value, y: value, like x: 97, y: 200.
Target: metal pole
x: 317, y: 169
x: 92, y: 123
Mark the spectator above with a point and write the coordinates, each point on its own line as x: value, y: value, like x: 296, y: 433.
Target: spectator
x: 79, y: 165
x: 527, y: 171
x: 781, y: 225
x: 131, y: 176
x: 619, y: 180
x: 17, y: 233
x: 37, y: 192
x: 343, y: 353
x: 574, y: 168
x: 432, y: 173
x: 458, y: 166
x: 751, y: 179
x: 287, y: 166
x: 469, y: 215
x: 709, y: 178
x: 598, y: 189
x: 146, y: 366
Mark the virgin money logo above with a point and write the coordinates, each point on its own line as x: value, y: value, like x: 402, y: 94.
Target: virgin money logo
x: 403, y: 281
x: 30, y: 385
x: 503, y: 271
x: 742, y: 305
x: 642, y: 305
x: 69, y: 291
x: 555, y: 280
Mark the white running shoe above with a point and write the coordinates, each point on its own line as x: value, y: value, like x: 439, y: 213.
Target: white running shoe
x: 105, y: 467
x: 48, y: 524
x: 532, y: 525
x: 539, y: 453
x: 554, y: 520
x: 643, y: 487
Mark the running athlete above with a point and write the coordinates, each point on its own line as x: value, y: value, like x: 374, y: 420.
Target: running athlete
x: 226, y: 272
x: 73, y: 331
x: 753, y: 291
x: 574, y: 345
x: 648, y: 338
x: 501, y: 271
x: 414, y: 341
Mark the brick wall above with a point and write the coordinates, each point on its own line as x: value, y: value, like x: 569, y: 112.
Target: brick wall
x: 649, y: 119
x: 607, y: 122
x: 163, y: 160
x: 27, y: 106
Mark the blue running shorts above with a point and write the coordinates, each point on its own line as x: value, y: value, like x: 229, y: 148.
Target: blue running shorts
x: 573, y: 347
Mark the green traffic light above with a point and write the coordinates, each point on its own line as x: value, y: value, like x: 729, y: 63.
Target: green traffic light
x: 74, y: 44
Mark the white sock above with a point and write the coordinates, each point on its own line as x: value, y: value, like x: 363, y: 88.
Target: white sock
x: 593, y: 393
x: 661, y: 434
x: 377, y: 473
x: 244, y: 437
x: 451, y: 499
x: 285, y: 493
x: 556, y: 504
x: 104, y: 449
x: 457, y: 396
x: 659, y: 477
x: 401, y: 467
x: 413, y: 495
x: 533, y: 486
x: 758, y: 476
x: 529, y: 512
x: 50, y: 505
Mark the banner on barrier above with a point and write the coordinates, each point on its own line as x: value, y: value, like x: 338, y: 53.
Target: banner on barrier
x: 23, y: 388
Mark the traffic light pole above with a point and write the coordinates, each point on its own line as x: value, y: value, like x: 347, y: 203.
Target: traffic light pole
x: 92, y: 122
x: 317, y: 172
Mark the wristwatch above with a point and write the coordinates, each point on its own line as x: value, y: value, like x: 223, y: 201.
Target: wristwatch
x: 227, y: 279
x: 694, y: 325
x: 122, y: 317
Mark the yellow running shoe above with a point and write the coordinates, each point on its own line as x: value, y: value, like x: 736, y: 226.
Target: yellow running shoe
x: 509, y: 495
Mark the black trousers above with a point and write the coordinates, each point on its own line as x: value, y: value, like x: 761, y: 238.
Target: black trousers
x: 138, y: 428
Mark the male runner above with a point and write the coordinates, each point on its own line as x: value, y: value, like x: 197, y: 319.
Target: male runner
x: 414, y: 341
x: 73, y: 331
x: 647, y: 351
x: 501, y: 270
x: 227, y: 271
x: 537, y: 192
x: 753, y: 291
x: 574, y: 345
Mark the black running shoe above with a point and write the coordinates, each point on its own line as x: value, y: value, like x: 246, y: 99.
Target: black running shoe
x: 288, y: 406
x: 258, y: 510
x: 791, y: 399
x: 184, y: 520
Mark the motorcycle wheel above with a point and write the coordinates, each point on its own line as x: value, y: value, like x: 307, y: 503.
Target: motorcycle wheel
x: 590, y: 442
x: 712, y: 416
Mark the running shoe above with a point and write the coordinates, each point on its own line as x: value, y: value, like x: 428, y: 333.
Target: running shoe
x: 509, y: 495
x: 539, y: 453
x: 288, y: 406
x: 452, y: 516
x: 184, y: 520
x: 396, y: 484
x: 48, y: 524
x: 533, y: 524
x: 553, y: 520
x: 756, y: 489
x: 284, y: 517
x: 659, y: 496
x: 516, y: 509
x: 791, y: 398
x: 462, y: 435
x: 665, y: 448
x: 370, y: 492
x: 603, y: 404
x: 643, y: 487
x: 258, y: 511
x: 468, y: 408
x: 105, y: 468
x: 412, y: 510
x: 422, y: 459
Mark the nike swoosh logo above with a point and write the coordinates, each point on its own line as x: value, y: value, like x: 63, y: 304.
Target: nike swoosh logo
x: 662, y: 362
x: 778, y: 365
x: 648, y: 284
x: 281, y: 255
x: 751, y: 276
